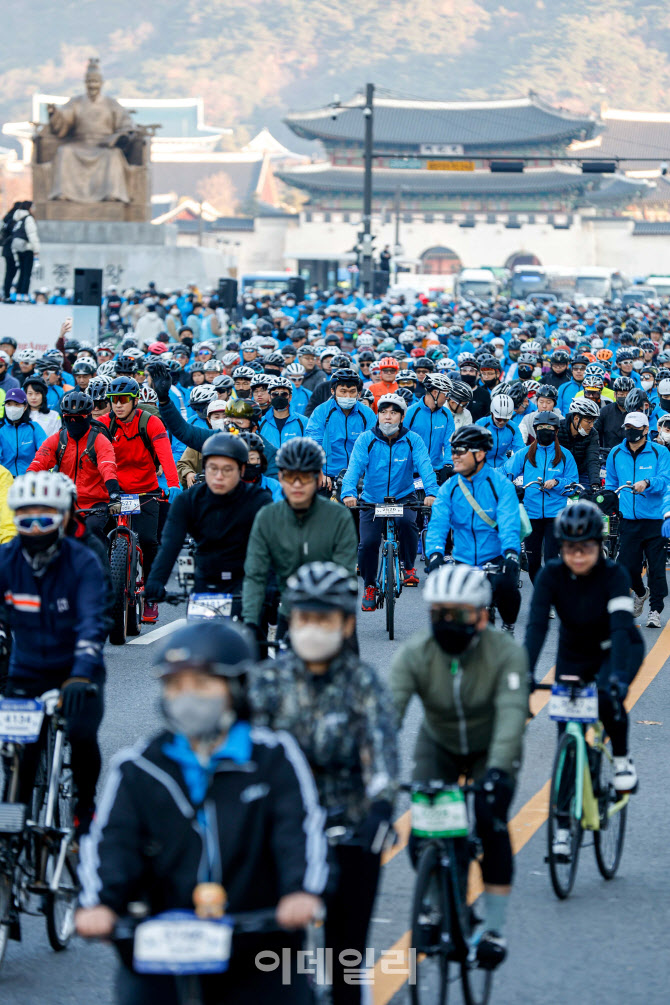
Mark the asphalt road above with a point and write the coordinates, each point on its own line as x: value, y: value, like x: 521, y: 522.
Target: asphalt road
x: 608, y: 939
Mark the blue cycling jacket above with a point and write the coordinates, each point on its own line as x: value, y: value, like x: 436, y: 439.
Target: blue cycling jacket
x: 475, y: 541
x: 505, y: 438
x: 388, y: 466
x: 565, y: 395
x: 337, y: 430
x: 540, y: 504
x: 299, y: 399
x: 295, y: 425
x: 273, y: 486
x: 19, y: 443
x: 434, y: 428
x: 650, y: 462
x: 58, y: 620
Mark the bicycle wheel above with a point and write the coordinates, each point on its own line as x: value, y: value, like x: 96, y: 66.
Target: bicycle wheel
x: 389, y: 591
x: 118, y: 561
x: 608, y: 841
x: 562, y: 867
x: 59, y: 906
x: 475, y: 981
x: 431, y: 918
x: 134, y: 624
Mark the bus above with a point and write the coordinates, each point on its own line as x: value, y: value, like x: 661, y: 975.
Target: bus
x: 260, y: 284
x: 476, y: 284
x: 594, y: 284
x: 527, y: 279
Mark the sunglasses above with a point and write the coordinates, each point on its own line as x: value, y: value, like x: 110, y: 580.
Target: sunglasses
x: 455, y: 615
x: 301, y: 477
x: 42, y: 523
x: 123, y: 398
x: 460, y: 451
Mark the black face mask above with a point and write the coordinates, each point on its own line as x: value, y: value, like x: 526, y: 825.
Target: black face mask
x: 490, y: 383
x: 36, y: 544
x: 280, y: 402
x: 243, y: 394
x: 469, y: 378
x: 665, y: 404
x: 77, y: 425
x: 453, y: 639
x: 544, y: 437
x: 187, y: 342
x: 252, y: 472
x: 525, y: 372
x: 633, y: 435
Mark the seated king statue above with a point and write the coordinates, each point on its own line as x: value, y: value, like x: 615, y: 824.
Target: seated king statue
x: 90, y: 165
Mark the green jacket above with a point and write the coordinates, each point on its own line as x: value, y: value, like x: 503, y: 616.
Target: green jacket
x: 283, y: 540
x: 473, y: 704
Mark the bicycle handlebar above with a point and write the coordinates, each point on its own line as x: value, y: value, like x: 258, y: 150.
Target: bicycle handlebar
x: 419, y: 507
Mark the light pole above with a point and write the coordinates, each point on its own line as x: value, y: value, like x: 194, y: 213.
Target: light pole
x: 368, y: 112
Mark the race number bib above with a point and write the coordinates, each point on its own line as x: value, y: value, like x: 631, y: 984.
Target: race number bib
x: 388, y: 510
x: 130, y: 504
x: 442, y: 817
x: 20, y: 719
x: 570, y: 705
x: 178, y: 942
x: 203, y: 606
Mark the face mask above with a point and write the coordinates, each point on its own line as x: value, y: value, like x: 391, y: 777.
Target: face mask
x: 388, y: 428
x: 37, y: 544
x: 314, y: 644
x: 196, y: 716
x: 525, y: 372
x: 453, y: 639
x: 499, y: 353
x: 14, y: 412
x: 582, y: 431
x: 633, y: 435
x: 187, y: 341
x: 243, y: 394
x: 345, y: 403
x: 638, y: 364
x: 252, y: 472
x: 663, y: 402
x: 280, y: 402
x: 469, y: 378
x: 490, y: 383
x: 544, y: 437
x: 218, y: 421
x: 77, y: 425
x: 647, y: 384
x: 664, y: 435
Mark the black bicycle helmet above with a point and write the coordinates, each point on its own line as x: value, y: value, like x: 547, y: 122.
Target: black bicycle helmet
x: 301, y: 454
x: 636, y: 400
x: 545, y: 419
x: 126, y: 366
x: 407, y: 394
x: 273, y: 359
x: 123, y: 385
x: 225, y: 445
x: 253, y: 441
x: 559, y: 356
x: 366, y: 356
x: 423, y: 363
x: 582, y: 521
x: 472, y: 437
x: 340, y: 362
x: 460, y: 392
x: 624, y: 384
x: 322, y: 586
x: 222, y: 649
x: 518, y: 393
x: 38, y: 383
x: 547, y: 391
x: 345, y: 376
x: 76, y: 402
x: 488, y: 362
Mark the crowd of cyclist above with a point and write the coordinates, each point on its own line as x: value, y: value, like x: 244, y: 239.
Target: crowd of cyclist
x: 253, y: 438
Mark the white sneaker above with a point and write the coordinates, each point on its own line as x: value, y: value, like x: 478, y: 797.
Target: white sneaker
x: 654, y: 620
x: 552, y: 612
x: 638, y: 602
x: 625, y: 775
x: 561, y: 845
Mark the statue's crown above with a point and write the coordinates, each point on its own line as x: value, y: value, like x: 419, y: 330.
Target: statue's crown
x: 93, y: 68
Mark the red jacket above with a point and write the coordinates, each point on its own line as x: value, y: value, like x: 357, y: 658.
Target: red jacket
x: 134, y: 463
x: 77, y: 465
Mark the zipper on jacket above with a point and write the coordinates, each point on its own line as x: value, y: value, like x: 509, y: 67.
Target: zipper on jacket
x: 462, y: 725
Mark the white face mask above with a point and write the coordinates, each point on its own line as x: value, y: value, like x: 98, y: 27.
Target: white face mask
x: 647, y: 384
x: 638, y: 364
x: 14, y: 412
x: 345, y: 403
x: 499, y: 353
x: 582, y: 431
x: 664, y: 434
x: 314, y: 644
x: 388, y: 428
x: 218, y: 421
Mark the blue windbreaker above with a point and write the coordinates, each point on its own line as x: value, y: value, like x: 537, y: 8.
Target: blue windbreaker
x: 475, y: 541
x: 388, y: 466
x: 18, y: 444
x: 299, y: 399
x: 652, y: 462
x: 540, y: 504
x: 434, y: 428
x: 506, y: 438
x: 337, y: 430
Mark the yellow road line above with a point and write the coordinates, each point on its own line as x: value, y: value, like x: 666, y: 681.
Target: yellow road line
x: 527, y: 821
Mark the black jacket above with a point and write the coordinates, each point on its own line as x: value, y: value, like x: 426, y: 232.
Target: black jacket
x: 148, y: 841
x: 220, y: 527
x: 556, y: 379
x: 480, y: 404
x: 610, y: 425
x: 313, y: 378
x: 320, y: 394
x: 586, y: 452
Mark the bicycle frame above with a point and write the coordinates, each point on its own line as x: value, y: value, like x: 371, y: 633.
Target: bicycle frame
x: 389, y: 545
x: 124, y: 529
x: 587, y: 808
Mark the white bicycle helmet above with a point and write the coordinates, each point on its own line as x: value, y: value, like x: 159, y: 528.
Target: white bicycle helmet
x: 39, y: 488
x: 230, y: 358
x: 458, y: 584
x: 297, y: 370
x: 392, y: 399
x: 365, y: 341
x: 148, y: 395
x: 213, y: 365
x: 502, y: 406
x: 201, y: 394
x: 27, y: 356
x: 242, y: 373
x: 438, y: 382
x: 133, y: 353
x: 664, y: 388
x: 217, y: 405
x: 585, y: 407
x: 107, y: 369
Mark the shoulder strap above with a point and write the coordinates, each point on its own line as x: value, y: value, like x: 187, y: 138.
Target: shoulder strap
x: 142, y: 424
x: 62, y: 444
x: 411, y: 421
x: 475, y: 505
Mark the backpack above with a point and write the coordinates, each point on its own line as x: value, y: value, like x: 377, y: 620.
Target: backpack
x: 19, y: 230
x: 142, y: 424
x: 89, y: 449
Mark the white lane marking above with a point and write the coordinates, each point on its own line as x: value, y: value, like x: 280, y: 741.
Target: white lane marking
x: 157, y: 633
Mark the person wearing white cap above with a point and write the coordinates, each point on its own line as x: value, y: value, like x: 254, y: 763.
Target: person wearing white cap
x: 643, y: 468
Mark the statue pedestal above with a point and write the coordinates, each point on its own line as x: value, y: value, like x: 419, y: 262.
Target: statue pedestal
x: 129, y: 254
x: 113, y: 212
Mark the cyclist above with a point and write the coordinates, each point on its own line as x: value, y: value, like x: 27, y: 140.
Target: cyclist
x: 434, y: 423
x: 480, y: 507
x: 217, y: 802
x: 20, y: 437
x: 459, y: 397
x: 218, y: 515
x: 505, y: 434
x: 550, y: 469
x: 337, y: 423
x: 576, y: 432
x: 387, y: 456
x: 189, y: 465
x: 387, y: 384
x: 279, y: 424
x: 612, y: 414
x: 82, y: 451
x: 55, y: 608
x: 569, y: 389
x: 140, y: 445
x: 342, y: 716
x: 598, y: 640
x: 471, y: 681
x: 559, y: 363
x: 36, y: 395
x: 646, y: 467
x: 257, y: 465
x: 302, y: 526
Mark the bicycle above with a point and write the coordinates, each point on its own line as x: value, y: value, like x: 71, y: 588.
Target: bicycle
x: 582, y: 794
x: 388, y: 586
x: 444, y: 928
x: 37, y: 853
x: 127, y: 573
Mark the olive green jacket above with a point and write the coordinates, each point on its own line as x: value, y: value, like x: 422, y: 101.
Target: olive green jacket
x: 283, y: 540
x: 472, y: 704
